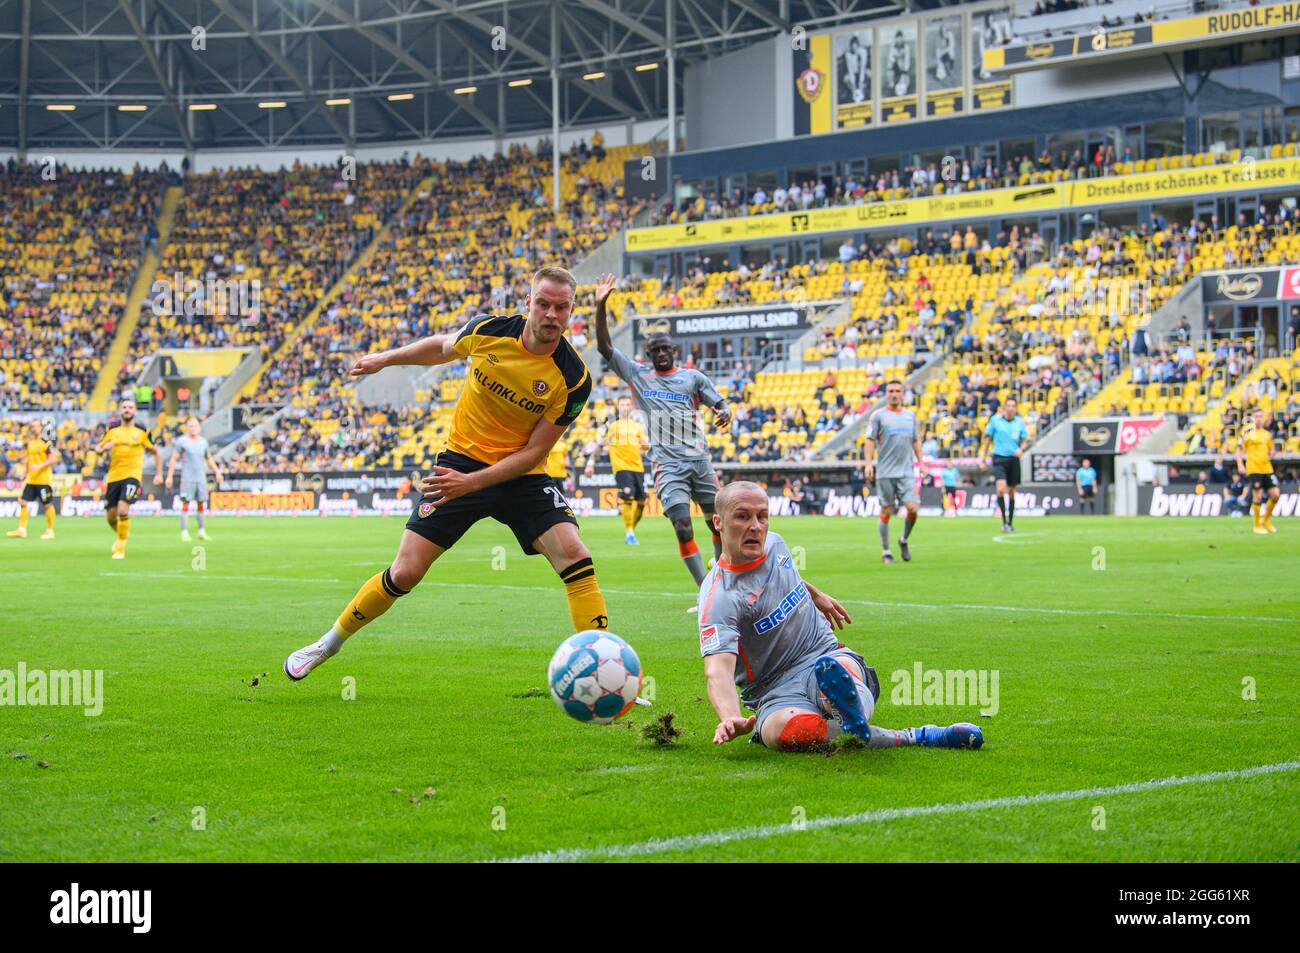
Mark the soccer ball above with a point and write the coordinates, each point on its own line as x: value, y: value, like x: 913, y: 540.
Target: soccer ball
x: 595, y: 676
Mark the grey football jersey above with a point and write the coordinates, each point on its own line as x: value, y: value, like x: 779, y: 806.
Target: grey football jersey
x: 894, y: 433
x: 194, y: 455
x: 764, y: 614
x: 669, y: 402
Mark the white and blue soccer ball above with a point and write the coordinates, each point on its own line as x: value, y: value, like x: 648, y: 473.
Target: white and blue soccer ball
x: 595, y: 676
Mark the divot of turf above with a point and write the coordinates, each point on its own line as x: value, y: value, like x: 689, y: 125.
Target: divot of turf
x: 662, y: 731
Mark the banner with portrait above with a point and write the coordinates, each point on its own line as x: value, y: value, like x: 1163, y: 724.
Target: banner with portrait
x: 945, y: 76
x: 899, y: 76
x: 989, y: 29
x: 853, y: 63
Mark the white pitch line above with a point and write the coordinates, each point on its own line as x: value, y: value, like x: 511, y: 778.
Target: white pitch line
x: 1198, y: 616
x: 917, y: 605
x: 204, y: 574
x: 977, y: 607
x: 716, y: 838
x: 1011, y: 542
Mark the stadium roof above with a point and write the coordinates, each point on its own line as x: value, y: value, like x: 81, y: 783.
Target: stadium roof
x: 207, y: 74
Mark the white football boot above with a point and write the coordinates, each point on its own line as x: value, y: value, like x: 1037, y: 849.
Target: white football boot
x: 300, y: 664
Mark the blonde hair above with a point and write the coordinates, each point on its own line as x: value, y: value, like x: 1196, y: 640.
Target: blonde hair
x: 556, y: 273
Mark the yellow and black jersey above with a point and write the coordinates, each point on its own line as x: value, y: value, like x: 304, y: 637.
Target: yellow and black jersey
x: 1257, y: 442
x: 509, y: 389
x: 38, y: 455
x: 126, y: 459
x: 625, y: 438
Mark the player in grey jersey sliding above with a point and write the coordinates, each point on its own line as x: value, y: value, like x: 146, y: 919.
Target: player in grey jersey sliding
x: 679, y: 451
x: 766, y: 630
x: 194, y: 455
x: 894, y: 440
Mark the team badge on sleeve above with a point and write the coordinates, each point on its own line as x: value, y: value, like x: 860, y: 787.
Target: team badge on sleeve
x: 708, y: 638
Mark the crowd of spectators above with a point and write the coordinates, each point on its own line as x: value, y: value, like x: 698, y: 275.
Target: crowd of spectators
x: 468, y: 244
x: 277, y: 239
x: 71, y: 242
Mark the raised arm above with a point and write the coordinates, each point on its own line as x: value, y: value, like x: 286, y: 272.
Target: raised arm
x: 603, y: 343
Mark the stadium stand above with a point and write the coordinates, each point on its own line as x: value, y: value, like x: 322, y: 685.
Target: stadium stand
x: 287, y: 233
x: 484, y: 224
x: 970, y: 173
x: 70, y: 245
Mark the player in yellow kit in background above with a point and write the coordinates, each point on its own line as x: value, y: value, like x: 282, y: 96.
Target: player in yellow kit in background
x: 38, y: 463
x: 557, y: 464
x: 1254, y: 458
x: 126, y: 444
x: 626, y: 438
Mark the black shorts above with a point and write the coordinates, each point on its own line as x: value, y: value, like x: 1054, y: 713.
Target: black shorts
x: 631, y: 484
x: 123, y: 491
x: 1262, y: 481
x: 1008, y: 469
x: 529, y: 505
x: 38, y: 494
x: 1088, y: 492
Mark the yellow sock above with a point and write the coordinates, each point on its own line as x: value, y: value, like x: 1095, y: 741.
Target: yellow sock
x: 23, y: 517
x: 626, y: 508
x: 586, y: 604
x: 123, y: 529
x: 637, y: 512
x: 1254, y: 512
x: 371, y: 601
x: 49, y: 517
x: 1268, y: 509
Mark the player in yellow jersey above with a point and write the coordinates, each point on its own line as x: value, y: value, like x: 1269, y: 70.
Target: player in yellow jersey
x: 626, y: 438
x: 125, y: 445
x: 526, y: 385
x: 557, y: 464
x: 39, y: 458
x: 1255, y: 459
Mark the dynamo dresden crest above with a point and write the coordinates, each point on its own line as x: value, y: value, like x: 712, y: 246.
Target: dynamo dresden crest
x: 539, y: 387
x: 810, y: 83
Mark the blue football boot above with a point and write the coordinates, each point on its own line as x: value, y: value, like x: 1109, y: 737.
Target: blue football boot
x: 841, y: 690
x: 961, y: 735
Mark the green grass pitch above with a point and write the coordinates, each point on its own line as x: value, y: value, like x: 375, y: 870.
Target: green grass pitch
x: 1107, y: 677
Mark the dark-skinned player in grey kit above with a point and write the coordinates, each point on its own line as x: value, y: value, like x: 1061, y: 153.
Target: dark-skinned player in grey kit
x: 669, y: 396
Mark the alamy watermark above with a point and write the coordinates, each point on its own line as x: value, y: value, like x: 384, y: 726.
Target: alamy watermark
x: 952, y: 687
x: 206, y: 297
x: 72, y: 688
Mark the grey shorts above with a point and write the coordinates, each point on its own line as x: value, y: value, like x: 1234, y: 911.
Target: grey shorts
x: 797, y: 688
x: 896, y: 491
x: 681, y: 481
x: 194, y: 491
